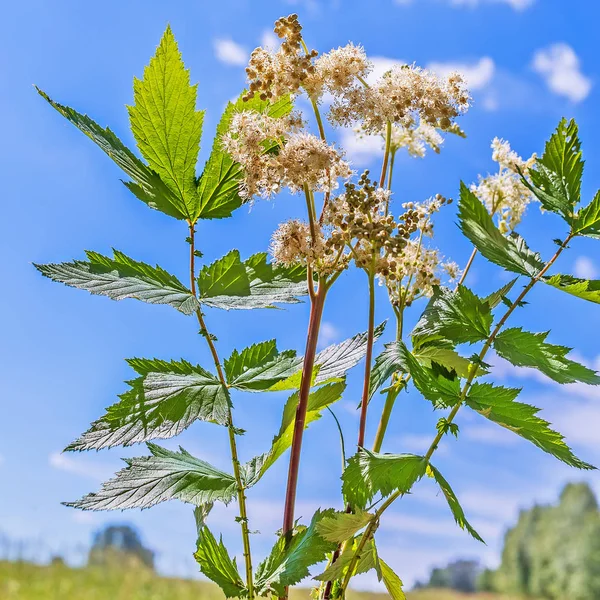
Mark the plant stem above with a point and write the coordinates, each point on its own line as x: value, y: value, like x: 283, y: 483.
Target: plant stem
x: 374, y: 523
x: 316, y: 313
x: 386, y: 154
x: 243, y: 517
x: 364, y: 405
x: 469, y: 263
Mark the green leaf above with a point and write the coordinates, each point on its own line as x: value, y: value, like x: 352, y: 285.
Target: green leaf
x: 556, y: 176
x: 368, y: 560
x: 218, y: 187
x: 230, y: 283
x: 122, y: 277
x: 525, y: 349
x: 458, y: 316
x: 393, y: 583
x: 510, y: 252
x: 341, y: 526
x: 442, y: 355
x: 436, y: 384
x: 496, y: 297
x: 453, y: 503
x: 163, y: 402
x: 332, y: 363
x: 146, y: 184
x: 291, y: 557
x: 587, y: 221
x: 165, y: 123
x: 217, y: 565
x: 582, y: 288
x: 166, y: 475
x: 369, y: 473
x: 498, y: 404
x: 260, y: 366
x: 317, y: 402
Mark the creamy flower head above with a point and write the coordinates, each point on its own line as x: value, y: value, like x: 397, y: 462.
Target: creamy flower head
x: 340, y: 68
x: 504, y: 193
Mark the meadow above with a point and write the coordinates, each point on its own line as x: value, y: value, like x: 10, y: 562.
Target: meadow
x: 25, y: 581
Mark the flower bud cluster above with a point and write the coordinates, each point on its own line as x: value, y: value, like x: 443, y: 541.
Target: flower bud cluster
x: 504, y: 193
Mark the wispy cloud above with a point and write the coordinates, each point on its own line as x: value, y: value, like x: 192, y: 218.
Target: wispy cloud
x: 518, y: 5
x: 269, y: 40
x: 83, y: 467
x: 329, y: 334
x: 229, y: 52
x: 585, y: 268
x: 560, y: 67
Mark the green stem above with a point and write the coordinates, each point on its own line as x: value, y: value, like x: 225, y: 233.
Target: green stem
x: 374, y: 523
x: 386, y: 153
x: 243, y: 517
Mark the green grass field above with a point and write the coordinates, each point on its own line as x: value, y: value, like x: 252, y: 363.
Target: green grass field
x: 24, y: 581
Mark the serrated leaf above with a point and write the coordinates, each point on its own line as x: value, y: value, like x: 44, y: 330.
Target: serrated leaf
x: 393, y: 583
x: 122, y: 277
x: 368, y: 560
x: 582, y: 288
x: 217, y: 565
x: 509, y: 252
x: 525, y: 349
x: 454, y: 504
x: 165, y: 123
x: 332, y: 363
x: 166, y: 475
x: 291, y: 557
x: 587, y: 221
x: 341, y: 526
x: 218, y: 186
x: 455, y: 315
x: 260, y: 366
x: 556, y: 175
x: 146, y: 184
x: 163, y: 402
x: 370, y: 473
x: 317, y: 402
x: 230, y: 283
x: 498, y: 404
x: 496, y: 297
x: 439, y: 386
x: 446, y: 357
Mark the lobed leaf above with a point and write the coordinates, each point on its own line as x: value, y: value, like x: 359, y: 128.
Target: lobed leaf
x: 498, y: 404
x: 525, y: 349
x: 146, y: 184
x: 368, y: 560
x: 122, y: 277
x: 217, y: 565
x: 453, y: 503
x: 341, y: 526
x: 370, y: 473
x: 393, y: 583
x: 166, y: 475
x: 458, y: 316
x: 582, y: 288
x: 163, y: 402
x: 510, y: 252
x: 291, y: 556
x: 165, y: 123
x: 230, y: 283
x: 556, y: 176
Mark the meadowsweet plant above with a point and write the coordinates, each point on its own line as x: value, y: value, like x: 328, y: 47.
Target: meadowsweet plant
x: 346, y: 220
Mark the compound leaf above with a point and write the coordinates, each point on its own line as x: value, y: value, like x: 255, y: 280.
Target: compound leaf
x: 582, y: 288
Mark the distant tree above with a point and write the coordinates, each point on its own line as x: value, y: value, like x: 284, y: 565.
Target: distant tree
x: 554, y: 551
x: 116, y: 545
x: 460, y: 575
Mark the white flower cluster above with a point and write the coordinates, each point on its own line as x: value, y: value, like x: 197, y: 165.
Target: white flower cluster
x: 277, y: 153
x: 416, y: 139
x: 504, y: 193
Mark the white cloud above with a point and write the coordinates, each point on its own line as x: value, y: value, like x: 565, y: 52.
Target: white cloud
x: 560, y: 67
x: 477, y: 75
x: 490, y: 434
x: 517, y: 5
x: 230, y: 53
x: 361, y: 149
x: 329, y: 334
x: 82, y: 467
x: 381, y: 64
x: 585, y: 268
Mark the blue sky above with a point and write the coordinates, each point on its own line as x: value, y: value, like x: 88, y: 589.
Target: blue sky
x: 529, y: 62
